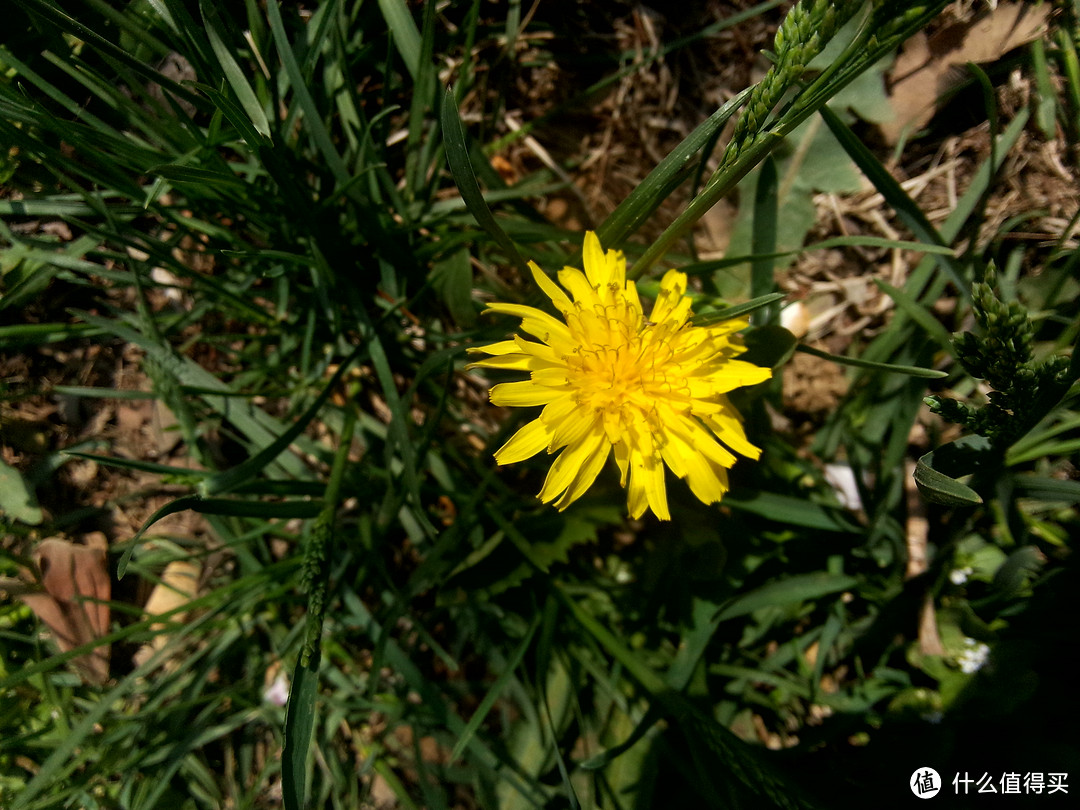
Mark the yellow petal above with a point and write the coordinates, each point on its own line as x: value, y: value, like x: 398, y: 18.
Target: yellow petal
x: 700, y: 439
x: 728, y: 428
x: 523, y: 394
x: 535, y: 322
x: 672, y: 289
x: 636, y: 499
x: 596, y: 263
x: 540, y: 350
x: 558, y: 410
x: 574, y: 427
x: 656, y: 489
x: 568, y: 464
x: 520, y: 362
x: 583, y: 291
x: 502, y: 347
x: 647, y: 479
x: 586, y: 473
x: 632, y: 299
x: 707, y: 480
x: 736, y: 374
x: 524, y: 444
x: 551, y: 376
x: 551, y: 289
x: 622, y: 458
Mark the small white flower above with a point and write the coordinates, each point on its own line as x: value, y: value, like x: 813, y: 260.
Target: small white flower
x: 842, y: 479
x: 973, y: 658
x: 277, y: 693
x: 960, y: 575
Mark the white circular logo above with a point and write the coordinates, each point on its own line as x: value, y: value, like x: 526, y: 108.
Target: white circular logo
x: 925, y: 783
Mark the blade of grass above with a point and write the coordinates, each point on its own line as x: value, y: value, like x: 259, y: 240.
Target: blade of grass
x: 785, y: 509
x: 679, y: 164
x: 424, y: 94
x: 405, y: 34
x: 493, y: 693
x: 457, y: 155
x: 313, y: 122
x: 223, y: 482
x: 918, y: 313
x: 797, y: 588
x: 710, y: 316
x: 763, y: 240
x: 911, y: 371
x: 906, y: 208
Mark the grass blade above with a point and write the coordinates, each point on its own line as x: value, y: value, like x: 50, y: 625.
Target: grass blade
x: 404, y: 32
x: 679, y: 164
x: 911, y: 371
x: 763, y: 239
x: 233, y: 72
x: 493, y: 694
x: 906, y: 208
x: 457, y: 155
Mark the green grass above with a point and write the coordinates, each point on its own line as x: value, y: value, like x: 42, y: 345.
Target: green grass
x: 333, y: 224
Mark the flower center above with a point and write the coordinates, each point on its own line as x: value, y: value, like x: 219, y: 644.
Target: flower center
x: 621, y: 367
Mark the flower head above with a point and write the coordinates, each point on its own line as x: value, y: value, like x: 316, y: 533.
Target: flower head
x: 650, y: 389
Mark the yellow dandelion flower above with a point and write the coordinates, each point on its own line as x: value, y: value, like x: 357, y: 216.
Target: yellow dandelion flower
x: 651, y: 390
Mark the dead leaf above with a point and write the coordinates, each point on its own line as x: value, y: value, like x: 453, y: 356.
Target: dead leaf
x: 179, y: 584
x: 926, y: 69
x: 73, y: 598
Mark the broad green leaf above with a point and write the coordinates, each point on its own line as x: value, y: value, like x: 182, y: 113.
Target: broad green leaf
x: 1047, y: 489
x: 17, y: 500
x: 797, y: 588
x: 940, y: 488
x: 300, y: 716
x: 786, y: 509
x: 1018, y: 570
x: 769, y: 346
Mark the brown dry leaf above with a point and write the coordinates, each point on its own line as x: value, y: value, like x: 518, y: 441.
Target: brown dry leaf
x: 926, y: 68
x: 73, y: 575
x: 179, y: 585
